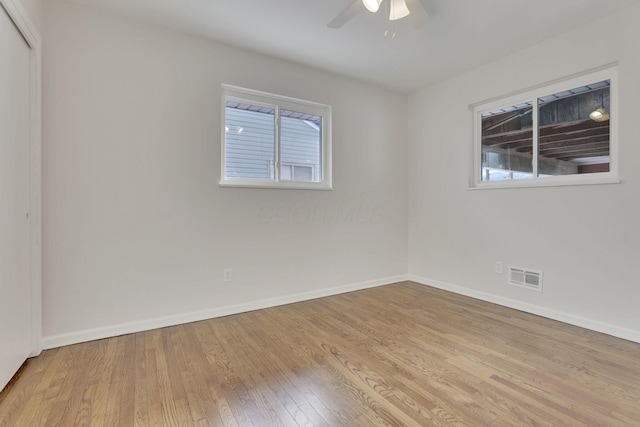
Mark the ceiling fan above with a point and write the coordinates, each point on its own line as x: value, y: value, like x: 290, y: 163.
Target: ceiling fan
x: 398, y: 9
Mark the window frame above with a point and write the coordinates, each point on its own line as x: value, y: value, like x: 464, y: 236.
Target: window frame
x: 278, y: 102
x: 608, y: 72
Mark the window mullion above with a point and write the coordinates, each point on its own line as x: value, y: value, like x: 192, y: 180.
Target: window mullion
x: 277, y: 143
x: 536, y: 139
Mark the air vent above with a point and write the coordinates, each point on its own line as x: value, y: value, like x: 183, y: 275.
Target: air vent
x: 525, y: 278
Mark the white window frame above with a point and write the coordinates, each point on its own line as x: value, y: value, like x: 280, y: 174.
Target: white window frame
x: 609, y: 72
x: 279, y: 102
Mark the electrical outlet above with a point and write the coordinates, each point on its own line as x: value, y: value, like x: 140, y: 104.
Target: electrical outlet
x: 227, y: 274
x: 498, y: 267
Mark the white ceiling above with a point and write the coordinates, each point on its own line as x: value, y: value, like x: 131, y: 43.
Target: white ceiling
x: 461, y: 34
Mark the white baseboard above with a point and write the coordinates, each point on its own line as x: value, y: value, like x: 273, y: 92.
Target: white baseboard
x: 145, y: 325
x: 594, y: 325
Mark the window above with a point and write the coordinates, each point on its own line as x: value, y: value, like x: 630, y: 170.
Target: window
x: 562, y: 133
x: 274, y: 141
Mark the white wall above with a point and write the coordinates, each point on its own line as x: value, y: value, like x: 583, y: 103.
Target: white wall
x: 34, y: 10
x: 586, y: 239
x: 136, y: 230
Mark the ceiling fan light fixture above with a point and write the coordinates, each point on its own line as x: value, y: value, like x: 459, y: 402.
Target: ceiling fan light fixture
x: 599, y: 115
x: 372, y: 5
x: 397, y: 10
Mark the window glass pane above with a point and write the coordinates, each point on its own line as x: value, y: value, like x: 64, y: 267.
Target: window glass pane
x: 285, y: 173
x: 249, y: 141
x: 507, y: 143
x: 574, y: 131
x: 303, y: 173
x: 300, y: 144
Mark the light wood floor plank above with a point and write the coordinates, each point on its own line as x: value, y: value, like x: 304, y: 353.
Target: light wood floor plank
x: 397, y: 355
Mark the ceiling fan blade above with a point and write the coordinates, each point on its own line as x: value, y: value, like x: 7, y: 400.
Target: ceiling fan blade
x: 347, y: 14
x: 418, y: 16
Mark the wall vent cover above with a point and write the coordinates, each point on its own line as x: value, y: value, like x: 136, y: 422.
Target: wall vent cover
x: 525, y: 278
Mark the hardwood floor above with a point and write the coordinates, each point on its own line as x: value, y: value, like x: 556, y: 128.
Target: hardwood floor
x: 398, y: 355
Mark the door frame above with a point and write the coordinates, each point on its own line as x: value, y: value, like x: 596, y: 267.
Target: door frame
x: 20, y: 18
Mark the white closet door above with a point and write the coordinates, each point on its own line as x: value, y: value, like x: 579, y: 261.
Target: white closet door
x: 15, y: 293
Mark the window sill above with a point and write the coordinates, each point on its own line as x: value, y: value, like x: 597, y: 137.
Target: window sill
x: 556, y: 181
x: 282, y: 185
